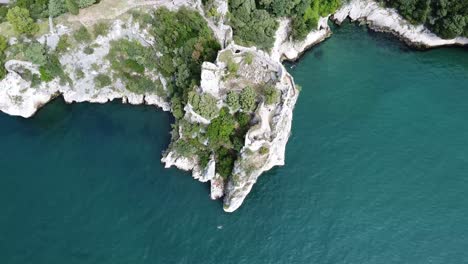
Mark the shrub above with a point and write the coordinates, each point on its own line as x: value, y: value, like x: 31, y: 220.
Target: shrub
x: 204, y: 104
x: 36, y: 53
x: 88, y: 50
x: 248, y: 99
x: 79, y: 74
x: 51, y: 69
x: 57, y: 7
x: 102, y: 80
x: 21, y: 21
x: 263, y: 150
x: 72, y: 6
x: 232, y: 67
x: 177, y: 108
x: 225, y: 162
x: 132, y: 66
x: 249, y: 58
x: 85, y: 3
x: 220, y: 129
x: 63, y: 44
x: 82, y: 35
x: 3, y: 44
x: 36, y: 80
x: 232, y: 100
x: 271, y: 94
x: 101, y: 29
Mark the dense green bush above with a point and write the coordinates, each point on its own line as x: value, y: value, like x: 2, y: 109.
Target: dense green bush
x: 102, y: 80
x: 37, y: 8
x: 254, y: 22
x: 72, y: 6
x: 252, y: 26
x: 51, y: 69
x: 3, y: 47
x: 86, y: 3
x: 225, y: 161
x: 88, y: 50
x: 248, y: 99
x: 21, y: 20
x: 63, y: 44
x: 446, y: 18
x: 36, y: 53
x: 185, y: 41
x: 3, y: 44
x: 101, y: 29
x: 57, y: 7
x: 271, y: 94
x: 232, y: 100
x: 3, y: 13
x: 82, y: 35
x: 220, y: 129
x: 203, y: 104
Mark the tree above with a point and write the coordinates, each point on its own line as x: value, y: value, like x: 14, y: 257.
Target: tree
x: 271, y: 95
x: 57, y: 7
x: 21, y: 21
x: 220, y: 129
x: 232, y: 100
x: 82, y: 35
x: 72, y: 7
x: 85, y: 3
x: 3, y: 44
x: 102, y: 80
x: 36, y: 53
x: 248, y: 99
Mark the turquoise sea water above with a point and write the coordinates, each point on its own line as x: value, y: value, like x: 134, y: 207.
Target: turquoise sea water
x: 376, y: 173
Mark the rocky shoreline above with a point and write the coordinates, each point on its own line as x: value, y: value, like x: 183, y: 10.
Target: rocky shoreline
x: 273, y: 122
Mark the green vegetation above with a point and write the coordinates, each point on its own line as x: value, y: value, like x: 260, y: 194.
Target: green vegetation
x: 204, y: 104
x: 446, y: 18
x: 3, y: 47
x: 88, y: 50
x: 72, y: 6
x: 82, y: 35
x: 232, y: 100
x: 52, y: 69
x: 252, y: 26
x: 248, y: 58
x: 102, y: 80
x: 129, y: 61
x: 63, y: 44
x: 79, y: 74
x: 36, y: 53
x: 49, y: 64
x: 254, y: 22
x: 185, y: 42
x: 21, y: 20
x: 248, y: 99
x: 271, y: 94
x: 101, y: 29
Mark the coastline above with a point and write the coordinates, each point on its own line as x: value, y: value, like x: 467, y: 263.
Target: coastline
x: 275, y: 121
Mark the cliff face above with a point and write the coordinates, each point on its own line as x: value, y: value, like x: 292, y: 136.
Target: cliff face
x: 388, y: 20
x: 266, y: 139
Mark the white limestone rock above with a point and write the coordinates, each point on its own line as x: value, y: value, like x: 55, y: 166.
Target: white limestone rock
x: 380, y: 18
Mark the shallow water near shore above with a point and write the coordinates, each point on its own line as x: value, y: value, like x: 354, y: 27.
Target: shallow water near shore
x: 376, y: 173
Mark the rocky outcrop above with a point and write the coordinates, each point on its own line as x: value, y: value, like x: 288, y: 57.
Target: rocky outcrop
x: 286, y: 48
x: 17, y: 97
x: 265, y: 144
x: 384, y: 19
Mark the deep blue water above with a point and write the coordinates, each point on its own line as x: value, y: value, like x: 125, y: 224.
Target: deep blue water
x: 376, y: 173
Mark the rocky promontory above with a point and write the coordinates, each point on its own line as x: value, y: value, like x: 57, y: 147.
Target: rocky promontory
x: 236, y: 121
